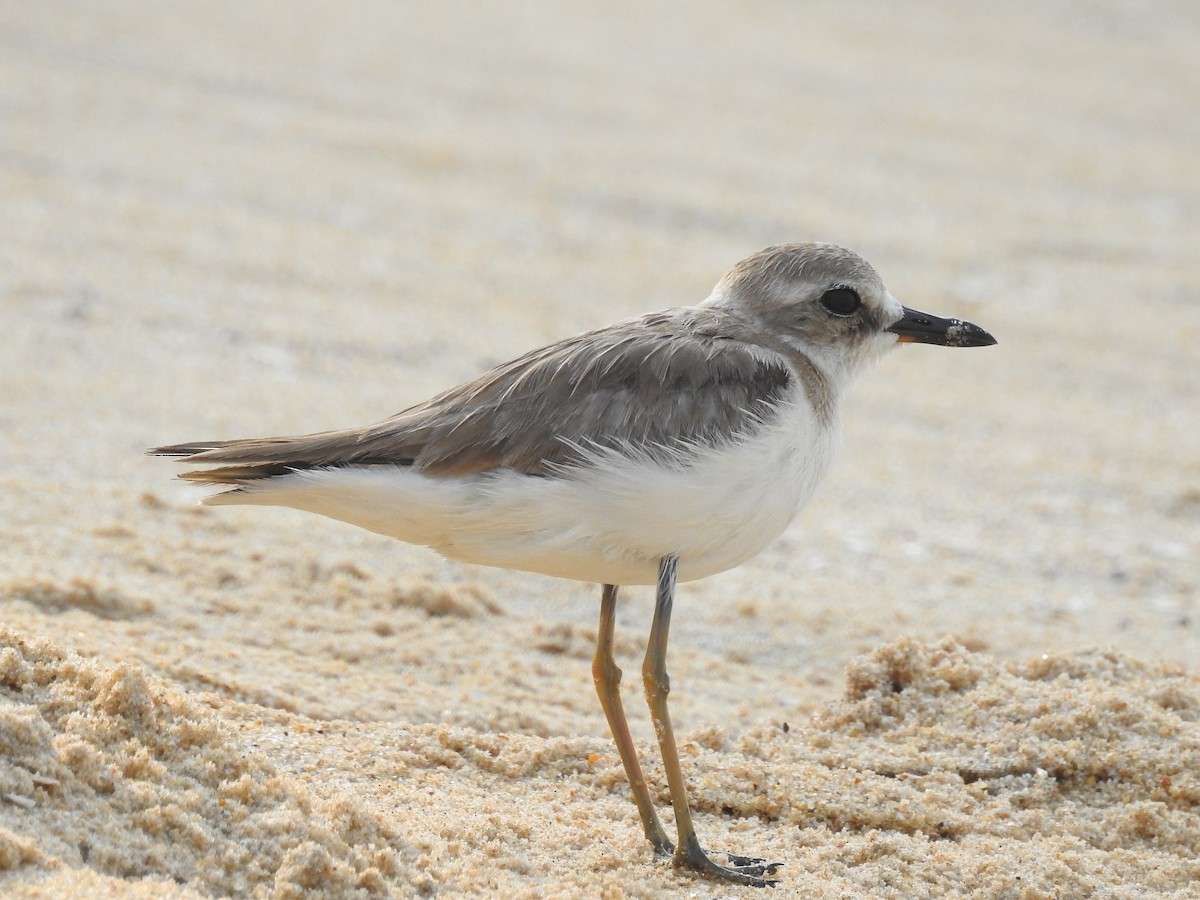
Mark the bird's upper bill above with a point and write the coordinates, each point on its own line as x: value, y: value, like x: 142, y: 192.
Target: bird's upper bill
x: 922, y: 328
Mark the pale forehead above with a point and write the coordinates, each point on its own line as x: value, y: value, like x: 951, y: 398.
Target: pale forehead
x: 818, y: 264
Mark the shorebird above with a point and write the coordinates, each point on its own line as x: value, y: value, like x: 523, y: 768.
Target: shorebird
x: 662, y: 448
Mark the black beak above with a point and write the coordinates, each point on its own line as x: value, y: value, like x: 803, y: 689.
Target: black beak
x: 922, y: 328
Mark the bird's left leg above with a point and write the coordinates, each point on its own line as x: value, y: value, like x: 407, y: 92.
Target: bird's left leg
x: 688, y: 853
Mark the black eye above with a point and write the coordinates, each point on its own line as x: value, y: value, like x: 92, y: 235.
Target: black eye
x: 841, y: 301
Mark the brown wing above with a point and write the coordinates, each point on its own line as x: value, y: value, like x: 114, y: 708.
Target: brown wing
x: 655, y: 384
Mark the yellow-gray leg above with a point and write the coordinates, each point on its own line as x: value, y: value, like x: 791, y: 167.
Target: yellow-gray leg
x: 607, y: 676
x: 688, y: 853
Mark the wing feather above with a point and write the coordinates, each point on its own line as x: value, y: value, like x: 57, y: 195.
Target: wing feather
x: 654, y: 385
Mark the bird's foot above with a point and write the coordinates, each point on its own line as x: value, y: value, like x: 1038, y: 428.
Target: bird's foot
x: 662, y: 847
x: 753, y: 865
x: 747, y: 870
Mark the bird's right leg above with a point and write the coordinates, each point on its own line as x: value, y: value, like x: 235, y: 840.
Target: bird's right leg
x: 607, y: 676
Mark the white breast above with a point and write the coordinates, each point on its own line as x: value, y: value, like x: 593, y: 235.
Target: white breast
x: 608, y: 521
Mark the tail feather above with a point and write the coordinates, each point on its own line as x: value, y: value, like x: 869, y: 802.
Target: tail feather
x: 240, y: 462
x: 187, y: 449
x: 253, y: 450
x: 238, y: 475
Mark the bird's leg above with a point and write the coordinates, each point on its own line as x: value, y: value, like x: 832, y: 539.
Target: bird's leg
x: 607, y: 676
x: 688, y: 853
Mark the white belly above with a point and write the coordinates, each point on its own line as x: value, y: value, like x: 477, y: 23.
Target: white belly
x: 608, y: 522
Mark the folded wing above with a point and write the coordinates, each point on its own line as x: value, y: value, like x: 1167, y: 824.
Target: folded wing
x: 655, y: 385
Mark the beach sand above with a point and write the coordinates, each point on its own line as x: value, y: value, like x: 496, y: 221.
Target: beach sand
x: 968, y: 669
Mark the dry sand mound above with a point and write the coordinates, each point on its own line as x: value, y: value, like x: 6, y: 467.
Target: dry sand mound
x: 117, y: 773
x: 941, y: 771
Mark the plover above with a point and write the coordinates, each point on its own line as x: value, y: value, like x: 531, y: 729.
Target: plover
x: 662, y: 448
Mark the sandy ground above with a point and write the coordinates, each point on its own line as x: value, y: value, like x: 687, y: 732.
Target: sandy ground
x: 970, y: 668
